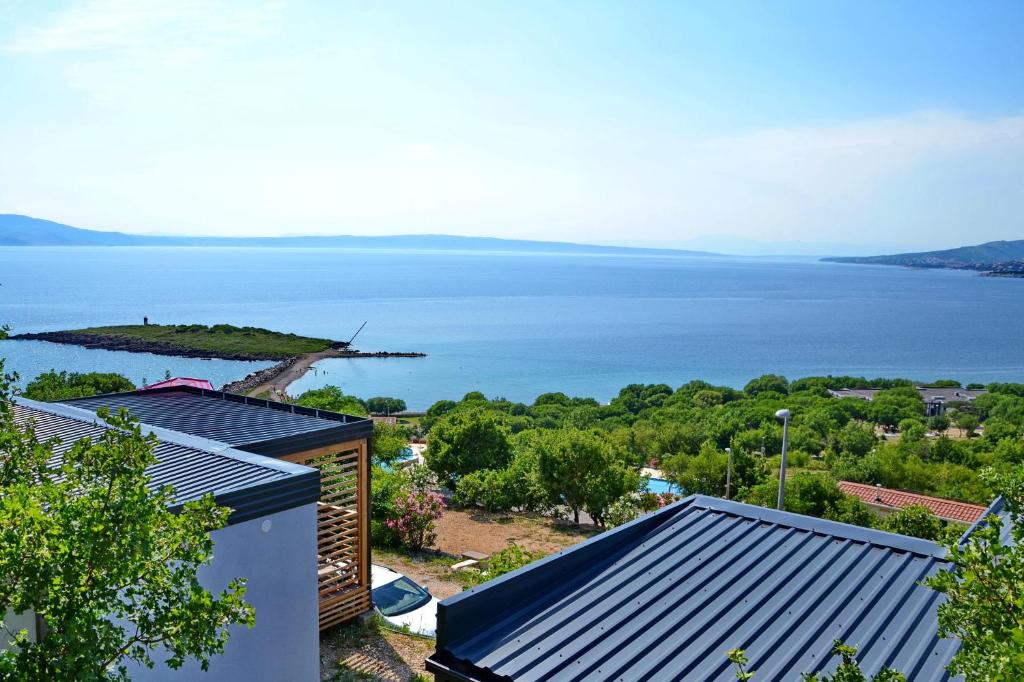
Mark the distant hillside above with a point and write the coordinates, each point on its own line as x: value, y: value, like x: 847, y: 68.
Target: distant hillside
x: 981, y: 257
x: 19, y: 230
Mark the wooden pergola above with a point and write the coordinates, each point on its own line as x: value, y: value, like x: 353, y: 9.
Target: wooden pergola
x: 343, y: 528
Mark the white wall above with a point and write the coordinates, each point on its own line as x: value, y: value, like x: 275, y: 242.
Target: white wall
x: 280, y: 565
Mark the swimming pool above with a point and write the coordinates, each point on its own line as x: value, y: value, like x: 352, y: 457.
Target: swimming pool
x: 661, y: 486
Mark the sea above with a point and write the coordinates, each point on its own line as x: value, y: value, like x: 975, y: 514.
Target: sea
x: 516, y: 325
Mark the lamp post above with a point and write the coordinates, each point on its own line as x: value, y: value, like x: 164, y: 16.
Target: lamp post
x: 728, y: 474
x: 783, y: 414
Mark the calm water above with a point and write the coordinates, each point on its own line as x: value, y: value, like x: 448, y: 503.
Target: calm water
x: 518, y: 325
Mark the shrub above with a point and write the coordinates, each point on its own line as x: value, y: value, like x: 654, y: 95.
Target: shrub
x: 916, y: 521
x: 415, y: 515
x: 51, y: 386
x: 466, y: 441
x: 500, y: 563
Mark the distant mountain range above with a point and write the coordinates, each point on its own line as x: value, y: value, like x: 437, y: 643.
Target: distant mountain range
x: 20, y: 230
x: 995, y: 259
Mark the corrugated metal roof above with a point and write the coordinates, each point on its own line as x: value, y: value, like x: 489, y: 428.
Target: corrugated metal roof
x: 666, y: 596
x: 261, y: 426
x: 252, y: 485
x: 952, y: 510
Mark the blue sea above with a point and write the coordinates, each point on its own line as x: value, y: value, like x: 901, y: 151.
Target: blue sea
x: 515, y: 324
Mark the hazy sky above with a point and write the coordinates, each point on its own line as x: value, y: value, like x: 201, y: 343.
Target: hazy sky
x: 874, y: 123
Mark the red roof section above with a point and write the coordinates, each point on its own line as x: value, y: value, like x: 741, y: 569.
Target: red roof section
x: 887, y: 497
x: 180, y: 381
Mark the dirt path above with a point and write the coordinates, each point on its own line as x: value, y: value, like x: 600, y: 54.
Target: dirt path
x: 277, y: 387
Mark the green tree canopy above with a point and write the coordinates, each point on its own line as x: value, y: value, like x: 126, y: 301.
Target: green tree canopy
x: 767, y: 383
x: 53, y: 386
x: 582, y: 470
x: 916, y: 521
x: 465, y: 441
x: 333, y: 399
x: 383, y: 405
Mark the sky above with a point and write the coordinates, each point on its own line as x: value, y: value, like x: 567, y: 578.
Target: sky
x: 837, y: 126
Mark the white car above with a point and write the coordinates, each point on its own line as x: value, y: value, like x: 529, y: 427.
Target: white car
x: 402, y: 603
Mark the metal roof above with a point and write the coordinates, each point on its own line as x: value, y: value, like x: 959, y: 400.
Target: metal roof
x: 950, y: 510
x: 251, y: 485
x: 261, y: 426
x: 666, y: 596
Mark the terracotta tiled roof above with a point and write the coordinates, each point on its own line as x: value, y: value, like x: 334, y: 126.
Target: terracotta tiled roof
x: 898, y: 499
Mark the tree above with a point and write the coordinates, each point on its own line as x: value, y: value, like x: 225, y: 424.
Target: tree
x: 767, y: 383
x: 91, y: 549
x: 855, y: 439
x: 381, y: 405
x: 983, y: 606
x: 939, y: 423
x: 582, y: 470
x: 966, y: 422
x: 389, y: 442
x: 465, y: 441
x: 916, y: 521
x: 893, y: 405
x: 333, y: 399
x: 52, y: 386
x: 705, y: 473
x: 814, y: 495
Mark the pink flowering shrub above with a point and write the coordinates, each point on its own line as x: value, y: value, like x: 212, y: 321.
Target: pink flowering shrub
x: 415, y: 514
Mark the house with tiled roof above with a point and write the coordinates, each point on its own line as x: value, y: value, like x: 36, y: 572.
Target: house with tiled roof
x: 887, y: 500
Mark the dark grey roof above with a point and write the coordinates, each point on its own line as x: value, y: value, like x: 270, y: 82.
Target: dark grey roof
x: 666, y: 596
x: 997, y: 508
x: 261, y: 426
x: 251, y: 485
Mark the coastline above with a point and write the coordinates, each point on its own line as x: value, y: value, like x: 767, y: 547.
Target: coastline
x: 275, y: 380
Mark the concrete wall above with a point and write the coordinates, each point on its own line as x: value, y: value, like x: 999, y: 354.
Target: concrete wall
x: 280, y: 564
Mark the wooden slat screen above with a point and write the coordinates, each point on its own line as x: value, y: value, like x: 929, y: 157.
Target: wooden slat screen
x: 343, y: 566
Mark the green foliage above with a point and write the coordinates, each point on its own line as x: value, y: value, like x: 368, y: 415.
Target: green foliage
x: 583, y: 470
x: 966, y: 422
x: 891, y: 406
x: 53, y: 386
x: 501, y: 490
x: 381, y: 405
x: 984, y: 605
x: 847, y: 671
x: 636, y: 398
x: 916, y: 521
x: 333, y: 399
x: 219, y: 340
x: 505, y: 561
x: 815, y: 495
x: 768, y: 383
x: 705, y: 473
x: 389, y: 442
x: 385, y: 487
x: 465, y: 441
x: 88, y: 546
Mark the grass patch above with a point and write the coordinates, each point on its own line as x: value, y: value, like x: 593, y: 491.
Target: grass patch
x: 219, y: 339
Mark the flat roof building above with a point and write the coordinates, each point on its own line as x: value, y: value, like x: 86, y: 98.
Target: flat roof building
x: 337, y: 445
x: 270, y: 539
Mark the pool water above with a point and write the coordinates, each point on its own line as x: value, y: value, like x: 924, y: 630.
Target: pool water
x: 661, y: 486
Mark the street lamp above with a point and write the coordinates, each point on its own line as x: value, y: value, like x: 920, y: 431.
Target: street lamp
x: 728, y: 473
x: 783, y: 414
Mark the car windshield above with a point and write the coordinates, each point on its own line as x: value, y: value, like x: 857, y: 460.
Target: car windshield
x: 399, y: 597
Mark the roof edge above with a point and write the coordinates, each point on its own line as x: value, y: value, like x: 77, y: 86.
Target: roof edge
x: 214, y: 447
